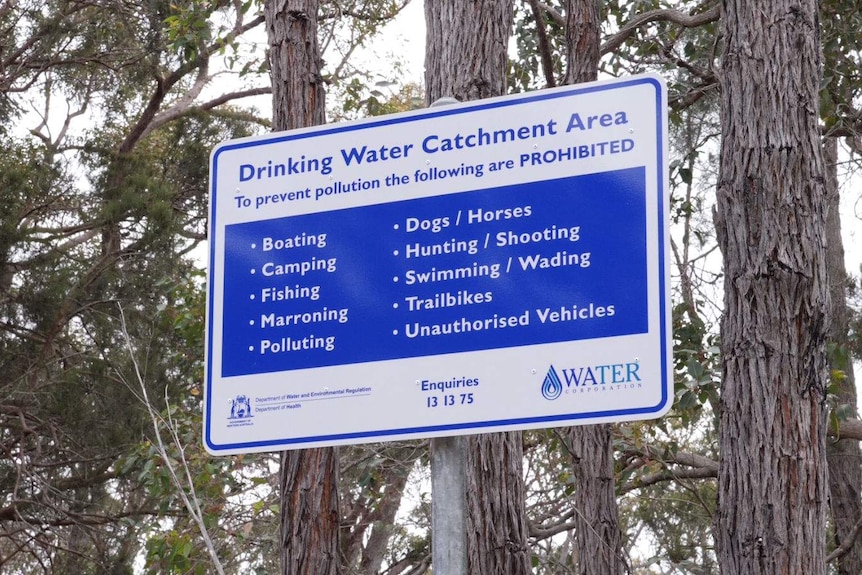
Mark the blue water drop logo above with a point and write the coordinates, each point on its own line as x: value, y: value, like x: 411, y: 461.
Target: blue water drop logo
x: 552, y: 387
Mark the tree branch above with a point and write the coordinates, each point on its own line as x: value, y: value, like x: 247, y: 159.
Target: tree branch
x: 185, y: 107
x: 366, y: 17
x: 842, y: 549
x: 186, y: 492
x: 544, y: 44
x: 164, y: 85
x: 696, y: 466
x: 553, y: 13
x: 661, y: 15
x: 539, y: 532
x: 702, y: 467
x: 847, y: 429
x: 669, y: 475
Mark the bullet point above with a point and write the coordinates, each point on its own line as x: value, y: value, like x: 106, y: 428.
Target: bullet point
x: 395, y: 306
x: 251, y: 322
x: 251, y: 348
x: 254, y: 246
x: 395, y: 253
x: 394, y: 332
x: 252, y: 271
x: 251, y: 296
x: 395, y: 279
x: 395, y: 227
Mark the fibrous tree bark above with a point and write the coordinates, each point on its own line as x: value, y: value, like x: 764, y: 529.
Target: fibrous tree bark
x: 298, y: 98
x: 496, y: 517
x: 466, y: 59
x: 583, y: 40
x: 770, y: 223
x: 598, y: 536
x: 843, y: 455
x: 466, y: 48
x: 309, y: 497
x: 309, y: 512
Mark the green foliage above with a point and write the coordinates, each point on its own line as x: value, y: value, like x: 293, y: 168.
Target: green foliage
x: 696, y: 366
x: 91, y: 223
x: 355, y: 90
x: 373, y: 482
x: 525, y: 67
x: 679, y: 516
x: 842, y: 71
x: 358, y: 101
x: 188, y: 29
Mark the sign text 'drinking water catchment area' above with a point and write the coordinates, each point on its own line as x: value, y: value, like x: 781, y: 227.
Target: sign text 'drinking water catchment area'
x: 486, y: 266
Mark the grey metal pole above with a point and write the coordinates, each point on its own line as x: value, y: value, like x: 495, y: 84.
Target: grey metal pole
x: 449, y: 505
x: 448, y: 491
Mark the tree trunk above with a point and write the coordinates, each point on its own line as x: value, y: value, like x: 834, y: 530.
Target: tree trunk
x: 309, y: 512
x: 466, y: 48
x: 309, y: 497
x: 599, y: 541
x: 497, y: 525
x: 598, y: 538
x: 583, y: 40
x: 466, y: 59
x: 845, y: 472
x: 298, y: 99
x: 770, y: 221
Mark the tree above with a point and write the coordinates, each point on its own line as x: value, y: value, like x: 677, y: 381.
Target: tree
x: 374, y: 478
x: 598, y: 538
x: 309, y: 477
x: 843, y: 456
x: 770, y: 218
x: 97, y: 216
x: 839, y: 92
x: 466, y: 59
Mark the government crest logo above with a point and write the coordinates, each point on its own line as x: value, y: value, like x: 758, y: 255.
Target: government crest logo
x: 240, y: 407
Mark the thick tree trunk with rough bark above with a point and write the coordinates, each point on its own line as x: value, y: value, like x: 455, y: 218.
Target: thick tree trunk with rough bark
x: 497, y: 525
x: 845, y: 469
x: 598, y: 538
x: 309, y: 497
x: 599, y: 541
x: 466, y: 48
x: 298, y: 98
x: 583, y: 40
x: 466, y: 59
x: 309, y: 512
x: 770, y: 220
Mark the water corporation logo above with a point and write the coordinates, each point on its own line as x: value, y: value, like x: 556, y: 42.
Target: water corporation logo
x: 552, y: 387
x: 600, y: 378
x: 240, y: 411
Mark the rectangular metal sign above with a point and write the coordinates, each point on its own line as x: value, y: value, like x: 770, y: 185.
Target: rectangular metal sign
x: 487, y: 266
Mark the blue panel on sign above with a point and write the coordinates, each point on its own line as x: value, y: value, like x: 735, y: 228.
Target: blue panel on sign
x: 535, y: 263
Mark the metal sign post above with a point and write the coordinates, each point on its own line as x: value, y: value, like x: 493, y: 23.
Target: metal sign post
x: 449, y: 505
x: 448, y: 490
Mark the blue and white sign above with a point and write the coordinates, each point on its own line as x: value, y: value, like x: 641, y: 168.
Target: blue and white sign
x: 487, y: 266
